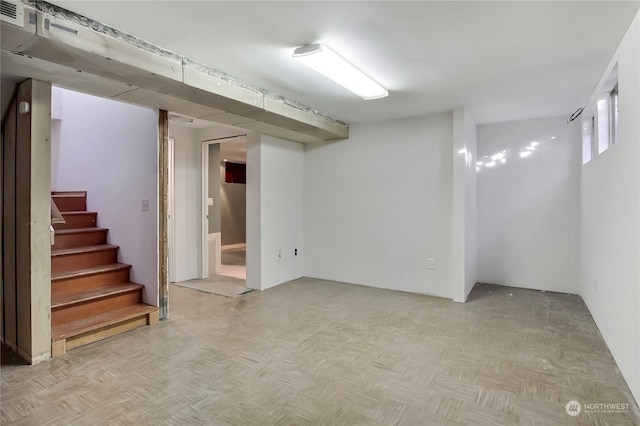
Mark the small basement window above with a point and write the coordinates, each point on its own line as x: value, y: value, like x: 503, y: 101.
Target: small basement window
x: 614, y: 113
x: 600, y: 128
x: 603, y: 124
x: 587, y: 139
x: 607, y: 112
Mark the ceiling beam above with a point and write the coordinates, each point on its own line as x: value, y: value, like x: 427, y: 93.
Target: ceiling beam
x: 76, y: 52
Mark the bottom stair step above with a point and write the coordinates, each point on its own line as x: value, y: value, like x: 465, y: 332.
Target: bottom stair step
x: 67, y: 306
x: 83, y: 331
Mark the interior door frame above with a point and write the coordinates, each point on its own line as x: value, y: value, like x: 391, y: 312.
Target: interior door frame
x: 163, y: 187
x: 204, y: 212
x: 204, y: 196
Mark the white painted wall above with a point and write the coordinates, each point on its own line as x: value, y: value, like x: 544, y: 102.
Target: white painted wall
x: 471, y: 206
x: 610, y: 229
x: 110, y: 149
x: 281, y: 211
x: 529, y: 208
x: 254, y: 211
x: 378, y: 205
x: 464, y: 220
x: 187, y: 204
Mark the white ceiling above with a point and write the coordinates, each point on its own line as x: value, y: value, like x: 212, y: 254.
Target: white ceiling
x: 502, y: 60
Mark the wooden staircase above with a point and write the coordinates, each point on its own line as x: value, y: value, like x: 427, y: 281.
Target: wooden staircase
x: 91, y: 295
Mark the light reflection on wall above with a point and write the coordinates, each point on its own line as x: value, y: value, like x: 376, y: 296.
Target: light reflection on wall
x: 468, y: 157
x: 501, y: 157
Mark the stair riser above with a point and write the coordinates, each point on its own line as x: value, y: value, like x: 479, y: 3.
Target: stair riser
x: 80, y: 240
x: 86, y: 220
x: 107, y: 332
x: 60, y: 344
x: 86, y: 283
x: 83, y: 260
x: 71, y: 204
x: 96, y: 307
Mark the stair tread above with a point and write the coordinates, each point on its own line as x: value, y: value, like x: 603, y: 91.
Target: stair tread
x: 68, y: 193
x: 79, y: 230
x: 83, y: 249
x: 62, y: 299
x: 76, y: 273
x: 77, y: 213
x: 95, y: 322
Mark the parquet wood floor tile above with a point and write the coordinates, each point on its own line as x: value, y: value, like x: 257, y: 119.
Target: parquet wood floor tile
x: 315, y: 352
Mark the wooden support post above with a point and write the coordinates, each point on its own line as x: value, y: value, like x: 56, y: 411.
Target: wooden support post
x: 32, y: 206
x: 10, y: 333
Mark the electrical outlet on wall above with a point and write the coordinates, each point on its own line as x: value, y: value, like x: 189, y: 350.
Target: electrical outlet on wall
x: 431, y: 263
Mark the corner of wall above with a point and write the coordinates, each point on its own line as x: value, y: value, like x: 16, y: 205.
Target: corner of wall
x: 254, y: 205
x: 464, y: 220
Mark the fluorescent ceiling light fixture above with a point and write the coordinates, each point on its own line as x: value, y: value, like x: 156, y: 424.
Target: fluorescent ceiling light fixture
x: 491, y: 164
x: 524, y: 154
x: 331, y: 65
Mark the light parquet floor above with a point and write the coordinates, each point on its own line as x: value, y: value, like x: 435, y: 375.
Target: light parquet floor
x: 317, y: 352
x: 234, y: 263
x: 234, y: 255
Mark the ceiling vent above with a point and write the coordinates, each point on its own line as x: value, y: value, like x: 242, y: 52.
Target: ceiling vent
x: 180, y: 118
x: 12, y: 12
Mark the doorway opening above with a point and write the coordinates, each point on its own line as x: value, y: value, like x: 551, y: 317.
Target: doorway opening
x: 224, y: 216
x: 233, y: 208
x: 215, y: 260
